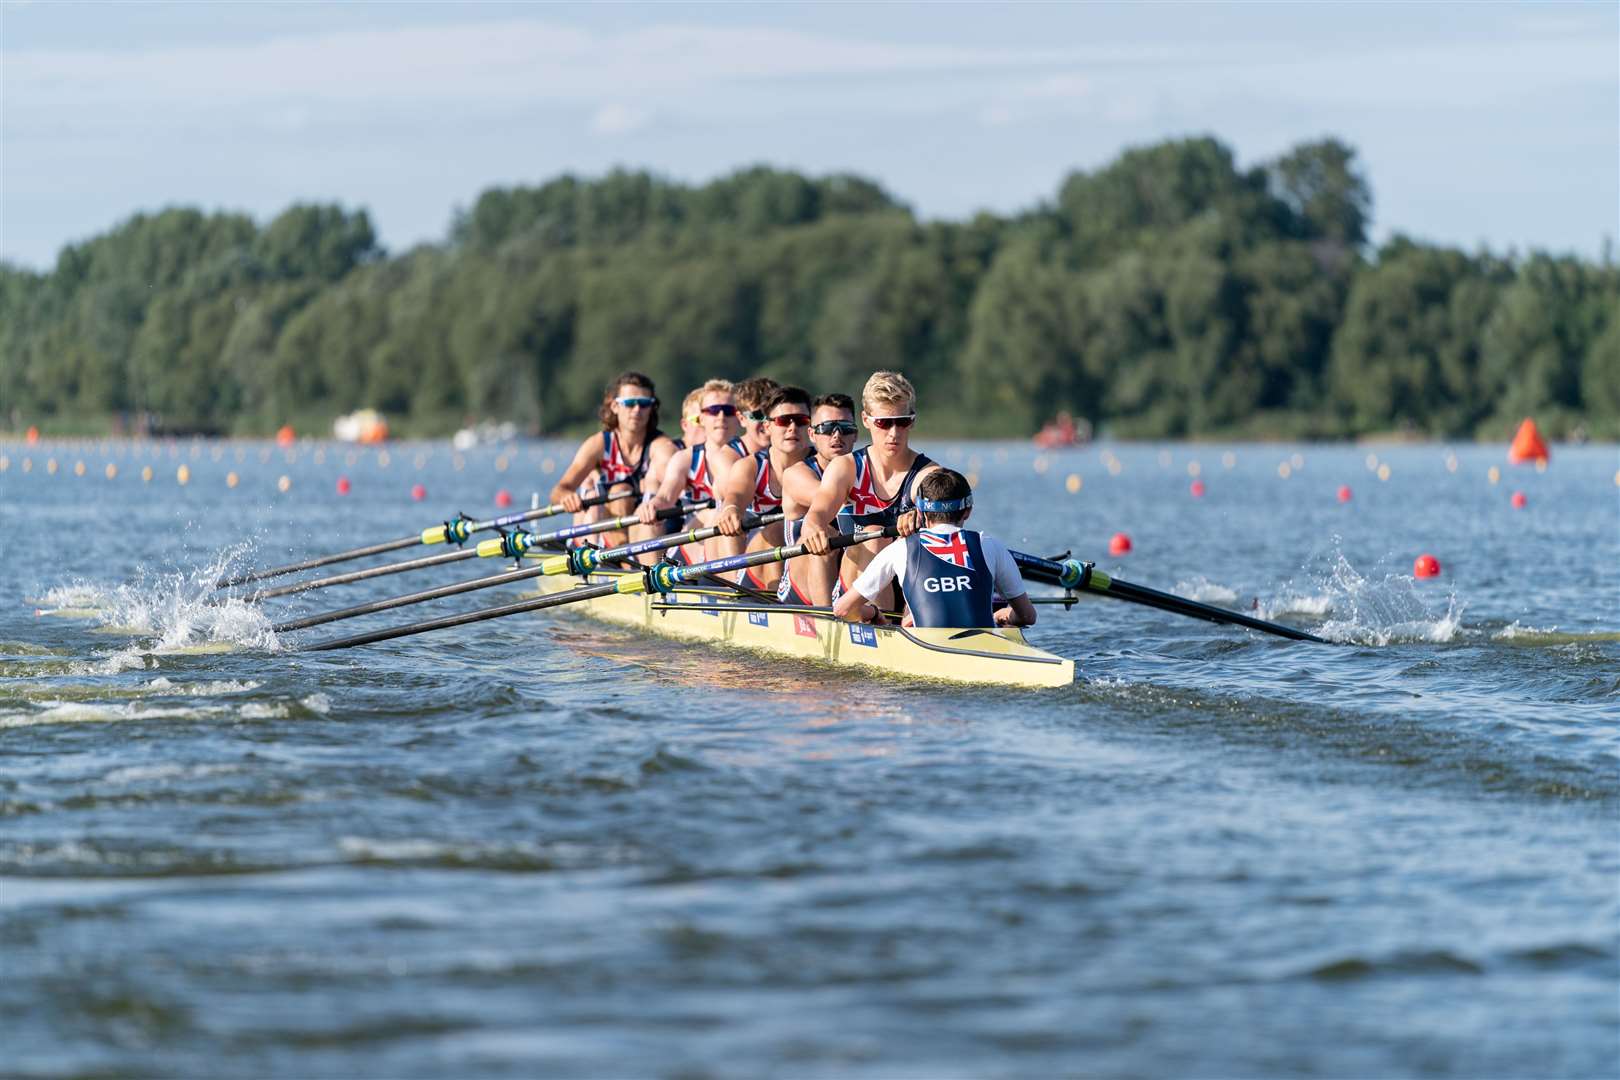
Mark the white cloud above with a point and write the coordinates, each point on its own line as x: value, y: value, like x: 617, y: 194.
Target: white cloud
x: 616, y: 118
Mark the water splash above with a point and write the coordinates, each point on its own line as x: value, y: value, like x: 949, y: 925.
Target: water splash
x: 1361, y: 610
x: 179, y: 609
x: 1205, y: 591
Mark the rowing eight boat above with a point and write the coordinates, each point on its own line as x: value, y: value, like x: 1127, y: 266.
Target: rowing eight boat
x: 999, y: 656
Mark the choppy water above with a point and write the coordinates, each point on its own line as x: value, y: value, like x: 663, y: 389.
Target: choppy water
x: 536, y: 846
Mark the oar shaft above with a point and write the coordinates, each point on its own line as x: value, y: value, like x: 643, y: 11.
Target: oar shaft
x: 362, y: 575
x: 1074, y: 575
x: 538, y: 604
x: 661, y: 578
x: 446, y: 532
x: 450, y: 556
x: 555, y: 565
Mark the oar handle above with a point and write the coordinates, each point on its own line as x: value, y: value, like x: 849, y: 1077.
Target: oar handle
x: 667, y: 578
x: 515, y: 545
x: 457, y: 530
x: 583, y: 560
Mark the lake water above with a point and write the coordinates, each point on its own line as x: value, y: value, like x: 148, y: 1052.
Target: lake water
x: 538, y: 846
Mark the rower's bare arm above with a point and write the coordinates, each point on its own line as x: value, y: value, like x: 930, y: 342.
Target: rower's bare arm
x: 800, y: 484
x: 669, y: 491
x: 834, y: 489
x: 735, y: 494
x: 585, y: 459
x: 910, y: 521
x: 853, y: 607
x: 1018, y: 612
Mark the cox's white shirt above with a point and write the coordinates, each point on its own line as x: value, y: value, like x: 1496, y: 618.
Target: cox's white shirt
x: 890, y: 565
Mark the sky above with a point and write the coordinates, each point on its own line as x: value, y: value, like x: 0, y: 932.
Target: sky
x: 1478, y: 125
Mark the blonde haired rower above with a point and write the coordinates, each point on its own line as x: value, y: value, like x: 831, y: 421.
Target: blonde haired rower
x: 690, y: 473
x: 878, y: 482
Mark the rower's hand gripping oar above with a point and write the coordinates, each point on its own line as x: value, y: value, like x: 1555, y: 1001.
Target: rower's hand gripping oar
x: 455, y: 531
x: 531, y: 540
x: 663, y: 578
x: 1076, y: 576
x: 579, y: 561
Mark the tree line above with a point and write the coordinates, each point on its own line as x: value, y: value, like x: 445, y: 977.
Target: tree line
x: 1170, y: 293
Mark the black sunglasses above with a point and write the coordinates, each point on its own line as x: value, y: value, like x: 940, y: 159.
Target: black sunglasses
x: 835, y: 427
x: 720, y: 410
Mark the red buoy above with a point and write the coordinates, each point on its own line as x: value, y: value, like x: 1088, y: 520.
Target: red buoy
x: 1518, y: 500
x: 1197, y: 489
x: 285, y: 435
x: 503, y: 498
x: 1344, y: 492
x: 1119, y: 544
x: 1426, y: 565
x: 343, y: 485
x: 418, y: 492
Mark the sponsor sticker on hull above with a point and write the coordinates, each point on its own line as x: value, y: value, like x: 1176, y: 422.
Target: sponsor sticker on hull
x: 804, y: 626
x: 862, y: 634
x: 759, y: 618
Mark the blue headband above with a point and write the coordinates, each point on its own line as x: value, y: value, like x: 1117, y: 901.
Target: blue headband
x: 945, y: 506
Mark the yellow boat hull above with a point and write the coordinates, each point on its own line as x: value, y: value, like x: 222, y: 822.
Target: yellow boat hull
x: 998, y: 656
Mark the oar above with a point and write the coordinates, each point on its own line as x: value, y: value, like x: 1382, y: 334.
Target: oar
x: 578, y: 561
x: 662, y: 578
x: 533, y: 540
x: 448, y: 532
x: 1073, y: 574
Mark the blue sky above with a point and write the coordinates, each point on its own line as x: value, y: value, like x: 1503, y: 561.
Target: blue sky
x: 1479, y: 124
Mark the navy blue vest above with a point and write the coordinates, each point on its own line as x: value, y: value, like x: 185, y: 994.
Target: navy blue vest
x: 948, y: 581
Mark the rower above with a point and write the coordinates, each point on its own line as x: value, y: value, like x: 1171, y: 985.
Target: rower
x: 948, y: 575
x: 753, y: 396
x: 629, y: 448
x: 809, y: 579
x: 754, y: 484
x: 690, y: 473
x: 692, y: 431
x: 877, y: 482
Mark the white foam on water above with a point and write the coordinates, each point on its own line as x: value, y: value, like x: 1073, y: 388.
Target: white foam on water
x: 180, y: 610
x: 317, y: 703
x: 1514, y: 630
x: 1205, y: 591
x: 359, y: 847
x: 143, y: 774
x: 96, y: 712
x: 1361, y: 610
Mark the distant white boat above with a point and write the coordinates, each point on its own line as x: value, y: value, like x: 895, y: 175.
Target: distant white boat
x: 361, y: 426
x: 484, y: 434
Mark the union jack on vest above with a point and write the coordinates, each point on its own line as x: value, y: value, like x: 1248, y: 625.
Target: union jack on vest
x: 948, y: 546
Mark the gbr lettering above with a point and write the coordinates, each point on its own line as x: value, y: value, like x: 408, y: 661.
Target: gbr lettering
x: 960, y: 583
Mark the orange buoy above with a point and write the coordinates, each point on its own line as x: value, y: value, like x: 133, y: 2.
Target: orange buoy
x: 1527, y: 444
x: 1119, y: 544
x: 1344, y: 492
x: 343, y: 485
x: 418, y: 492
x: 31, y: 436
x: 285, y: 436
x: 503, y: 498
x: 1197, y: 489
x: 1518, y: 500
x: 1426, y: 565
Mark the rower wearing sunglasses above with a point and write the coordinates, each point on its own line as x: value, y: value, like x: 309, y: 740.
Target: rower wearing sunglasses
x: 754, y: 484
x: 809, y: 580
x: 878, y: 483
x: 629, y: 449
x: 690, y: 473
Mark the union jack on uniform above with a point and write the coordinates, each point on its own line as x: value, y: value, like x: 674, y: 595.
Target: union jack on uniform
x: 947, y: 546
